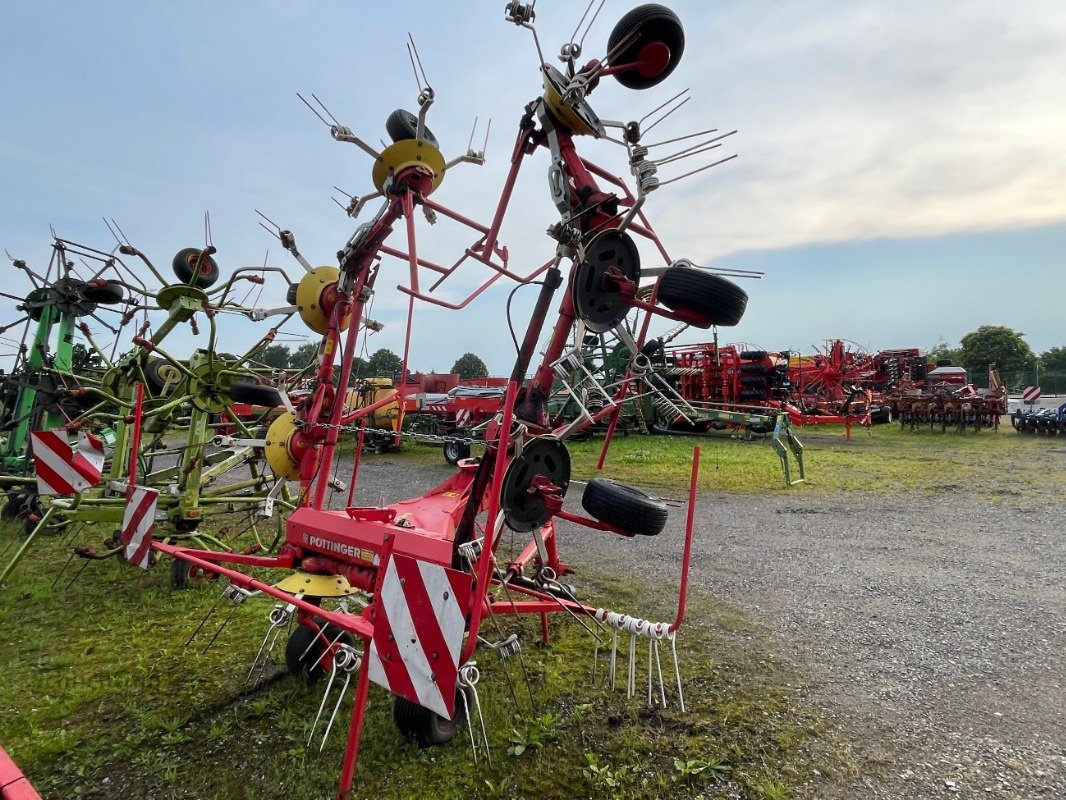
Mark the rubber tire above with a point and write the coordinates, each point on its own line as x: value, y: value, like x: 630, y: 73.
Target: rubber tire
x: 110, y: 293
x: 753, y: 355
x: 185, y: 262
x: 624, y: 507
x: 755, y: 381
x: 652, y: 23
x: 754, y: 369
x: 402, y: 125
x: 419, y: 725
x: 721, y: 301
x: 454, y: 451
x: 183, y: 576
x: 255, y: 395
x: 306, y: 668
x: 752, y: 394
x: 154, y: 381
x: 39, y: 295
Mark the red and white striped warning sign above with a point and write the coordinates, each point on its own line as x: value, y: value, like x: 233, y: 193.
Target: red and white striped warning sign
x: 1030, y: 394
x: 61, y: 471
x: 137, y: 524
x: 418, y: 632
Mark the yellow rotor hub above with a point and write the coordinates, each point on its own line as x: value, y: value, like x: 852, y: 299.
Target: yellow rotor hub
x: 309, y: 298
x: 580, y: 120
x: 404, y: 154
x: 278, y: 451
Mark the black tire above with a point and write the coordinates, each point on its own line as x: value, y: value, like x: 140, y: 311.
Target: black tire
x: 753, y: 355
x: 752, y: 380
x: 255, y: 395
x: 110, y: 293
x: 402, y: 125
x: 154, y: 378
x: 419, y: 725
x: 719, y: 301
x: 35, y: 302
x: 754, y: 369
x: 185, y: 263
x: 624, y: 507
x: 184, y: 575
x: 881, y: 416
x: 455, y: 451
x: 305, y: 648
x: 651, y: 23
x: 752, y: 394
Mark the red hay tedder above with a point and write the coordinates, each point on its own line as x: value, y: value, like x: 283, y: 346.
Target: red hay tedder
x: 420, y: 571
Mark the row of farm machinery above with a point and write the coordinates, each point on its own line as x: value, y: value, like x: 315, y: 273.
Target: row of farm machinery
x: 136, y: 453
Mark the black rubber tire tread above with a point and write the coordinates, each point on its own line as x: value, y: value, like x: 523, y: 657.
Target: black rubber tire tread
x: 306, y: 668
x: 755, y: 381
x: 454, y: 451
x: 754, y: 369
x: 36, y: 296
x: 652, y: 22
x: 424, y: 727
x: 881, y: 416
x: 110, y: 293
x: 752, y: 394
x: 721, y: 301
x: 624, y: 507
x: 184, y: 576
x: 402, y: 125
x: 184, y: 265
x: 753, y: 355
x: 255, y: 395
x: 153, y: 379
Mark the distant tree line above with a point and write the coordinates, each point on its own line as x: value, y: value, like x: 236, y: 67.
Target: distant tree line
x: 382, y: 362
x: 1017, y: 363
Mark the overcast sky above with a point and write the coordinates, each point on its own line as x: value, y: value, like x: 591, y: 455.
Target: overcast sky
x: 900, y: 177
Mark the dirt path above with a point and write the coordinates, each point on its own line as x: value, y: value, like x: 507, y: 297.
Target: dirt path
x: 933, y: 631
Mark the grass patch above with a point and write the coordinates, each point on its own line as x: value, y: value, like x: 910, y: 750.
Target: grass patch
x: 886, y: 459
x: 101, y: 696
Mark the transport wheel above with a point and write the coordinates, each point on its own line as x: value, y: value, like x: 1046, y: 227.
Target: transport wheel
x: 184, y: 575
x: 753, y: 355
x: 752, y: 380
x: 455, y: 451
x: 720, y: 301
x: 624, y: 507
x: 305, y: 647
x: 427, y: 728
x: 255, y: 395
x: 36, y: 300
x: 108, y: 294
x: 185, y: 263
x: 752, y: 394
x: 403, y: 125
x: 655, y: 36
x: 160, y: 374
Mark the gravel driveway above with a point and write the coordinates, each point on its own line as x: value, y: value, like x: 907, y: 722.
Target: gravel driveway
x: 930, y: 630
